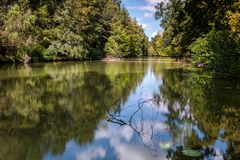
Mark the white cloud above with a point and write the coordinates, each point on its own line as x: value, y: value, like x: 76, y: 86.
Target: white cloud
x: 149, y: 8
x: 154, y: 34
x: 92, y: 153
x: 125, y: 132
x: 119, y: 139
x: 148, y: 15
x: 157, y: 33
x: 153, y: 1
x: 139, y: 19
x: 144, y: 26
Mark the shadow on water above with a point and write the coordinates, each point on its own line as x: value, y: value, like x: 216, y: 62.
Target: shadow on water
x: 116, y: 110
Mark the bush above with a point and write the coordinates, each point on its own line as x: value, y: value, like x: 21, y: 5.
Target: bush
x: 217, y: 51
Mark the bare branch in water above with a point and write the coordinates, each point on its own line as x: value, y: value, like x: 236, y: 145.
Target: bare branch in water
x: 143, y: 130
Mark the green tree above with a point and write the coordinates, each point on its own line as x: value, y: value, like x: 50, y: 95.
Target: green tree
x: 17, y: 34
x: 158, y: 44
x: 183, y: 32
x: 68, y: 30
x: 217, y: 51
x: 127, y: 37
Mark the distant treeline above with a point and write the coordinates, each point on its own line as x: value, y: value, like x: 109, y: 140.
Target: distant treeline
x: 203, y: 32
x: 54, y: 30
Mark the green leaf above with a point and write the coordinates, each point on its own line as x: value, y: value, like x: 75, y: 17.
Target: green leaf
x: 191, y: 153
x: 165, y: 145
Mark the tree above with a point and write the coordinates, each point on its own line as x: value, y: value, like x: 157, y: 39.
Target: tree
x: 17, y: 34
x: 184, y: 31
x: 128, y: 38
x: 158, y: 44
x: 68, y: 30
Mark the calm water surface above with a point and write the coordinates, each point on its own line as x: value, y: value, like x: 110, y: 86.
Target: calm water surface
x: 123, y: 110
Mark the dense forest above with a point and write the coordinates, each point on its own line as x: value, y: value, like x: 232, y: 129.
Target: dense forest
x: 206, y: 33
x: 51, y: 30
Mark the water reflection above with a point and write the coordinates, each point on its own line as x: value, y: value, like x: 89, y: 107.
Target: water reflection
x: 142, y: 110
x: 204, y: 114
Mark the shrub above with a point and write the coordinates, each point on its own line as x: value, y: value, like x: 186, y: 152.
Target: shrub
x: 217, y: 51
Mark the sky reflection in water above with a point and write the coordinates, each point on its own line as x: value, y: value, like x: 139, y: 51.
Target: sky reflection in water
x: 160, y: 112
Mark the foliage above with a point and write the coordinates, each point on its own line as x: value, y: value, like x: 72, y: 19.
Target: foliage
x: 68, y: 30
x: 16, y: 34
x: 217, y: 51
x: 158, y: 45
x: 200, y: 97
x: 191, y: 153
x: 203, y: 94
x: 127, y: 39
x: 209, y: 29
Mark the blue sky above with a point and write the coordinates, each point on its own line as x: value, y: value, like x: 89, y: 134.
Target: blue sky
x: 143, y: 11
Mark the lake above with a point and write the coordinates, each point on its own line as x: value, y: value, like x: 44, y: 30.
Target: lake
x: 136, y: 109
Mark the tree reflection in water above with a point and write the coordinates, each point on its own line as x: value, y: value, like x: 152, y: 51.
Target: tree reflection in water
x: 203, y: 114
x: 209, y: 107
x: 41, y: 112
